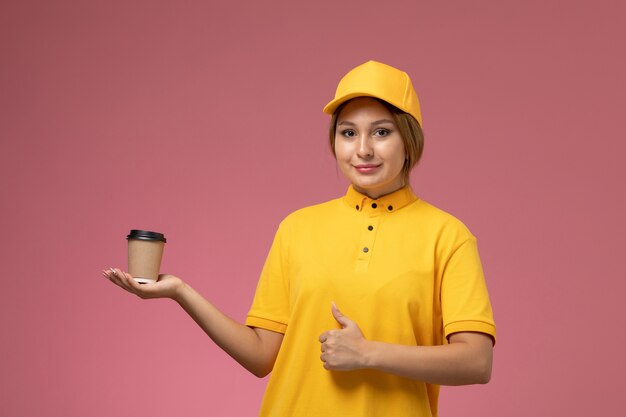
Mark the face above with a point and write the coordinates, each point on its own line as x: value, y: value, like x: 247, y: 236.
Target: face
x: 368, y: 147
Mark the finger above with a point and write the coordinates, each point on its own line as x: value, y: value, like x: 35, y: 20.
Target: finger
x: 134, y: 285
x: 113, y: 273
x: 124, y: 282
x: 323, y: 337
x: 148, y: 290
x: 107, y: 275
x: 115, y: 279
x: 110, y: 274
x: 338, y: 315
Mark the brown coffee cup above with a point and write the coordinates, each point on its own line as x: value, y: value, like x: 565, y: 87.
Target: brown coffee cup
x: 145, y: 251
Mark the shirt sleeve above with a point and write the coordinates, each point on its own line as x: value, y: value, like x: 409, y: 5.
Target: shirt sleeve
x: 270, y: 307
x: 464, y: 299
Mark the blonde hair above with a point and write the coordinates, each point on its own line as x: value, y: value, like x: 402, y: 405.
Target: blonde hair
x: 408, y: 127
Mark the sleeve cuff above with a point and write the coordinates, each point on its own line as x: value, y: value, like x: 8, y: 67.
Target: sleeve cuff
x: 262, y: 323
x: 470, y: 326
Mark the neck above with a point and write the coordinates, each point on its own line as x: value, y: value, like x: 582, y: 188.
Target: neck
x: 376, y: 194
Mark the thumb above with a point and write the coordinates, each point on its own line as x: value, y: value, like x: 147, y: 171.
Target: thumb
x: 341, y: 319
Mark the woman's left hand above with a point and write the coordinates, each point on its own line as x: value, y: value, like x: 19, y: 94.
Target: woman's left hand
x: 343, y: 349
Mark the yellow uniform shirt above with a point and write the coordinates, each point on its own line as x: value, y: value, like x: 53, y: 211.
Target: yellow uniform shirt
x: 403, y: 270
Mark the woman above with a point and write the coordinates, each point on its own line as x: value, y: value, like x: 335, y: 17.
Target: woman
x: 367, y: 303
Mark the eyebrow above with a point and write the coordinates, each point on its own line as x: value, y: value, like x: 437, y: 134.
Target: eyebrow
x: 376, y: 123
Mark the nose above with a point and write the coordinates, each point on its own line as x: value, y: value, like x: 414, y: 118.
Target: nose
x: 364, y: 149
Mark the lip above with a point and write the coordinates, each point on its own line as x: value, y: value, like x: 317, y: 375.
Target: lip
x: 366, y: 168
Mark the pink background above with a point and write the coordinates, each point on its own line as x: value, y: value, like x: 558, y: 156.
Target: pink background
x: 203, y: 120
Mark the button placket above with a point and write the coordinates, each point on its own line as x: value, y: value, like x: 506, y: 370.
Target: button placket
x: 368, y: 233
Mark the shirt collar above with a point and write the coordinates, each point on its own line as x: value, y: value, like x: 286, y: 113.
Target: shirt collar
x: 389, y: 202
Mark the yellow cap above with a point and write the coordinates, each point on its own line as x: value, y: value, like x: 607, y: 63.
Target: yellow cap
x: 374, y: 79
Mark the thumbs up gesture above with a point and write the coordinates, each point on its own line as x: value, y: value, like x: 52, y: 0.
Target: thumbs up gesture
x: 343, y: 349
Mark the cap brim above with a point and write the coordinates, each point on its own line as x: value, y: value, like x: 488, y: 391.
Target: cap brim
x: 332, y: 106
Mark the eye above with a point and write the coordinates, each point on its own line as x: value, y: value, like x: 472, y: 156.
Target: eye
x: 381, y: 133
x: 349, y: 133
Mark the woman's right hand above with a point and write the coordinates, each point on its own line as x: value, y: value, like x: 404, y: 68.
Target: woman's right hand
x: 167, y: 286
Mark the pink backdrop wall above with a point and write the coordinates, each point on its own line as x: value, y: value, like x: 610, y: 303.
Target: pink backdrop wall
x: 203, y: 120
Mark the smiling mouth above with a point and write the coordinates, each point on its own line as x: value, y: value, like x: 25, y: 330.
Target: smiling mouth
x: 366, y: 168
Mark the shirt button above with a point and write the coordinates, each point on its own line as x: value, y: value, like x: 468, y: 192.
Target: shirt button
x: 357, y: 206
x: 366, y: 250
x: 370, y: 227
x: 389, y: 208
x: 374, y: 205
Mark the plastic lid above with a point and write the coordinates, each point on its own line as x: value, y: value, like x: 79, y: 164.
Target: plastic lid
x: 146, y: 235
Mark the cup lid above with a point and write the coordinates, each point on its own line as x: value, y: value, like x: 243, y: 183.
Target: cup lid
x: 146, y: 235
